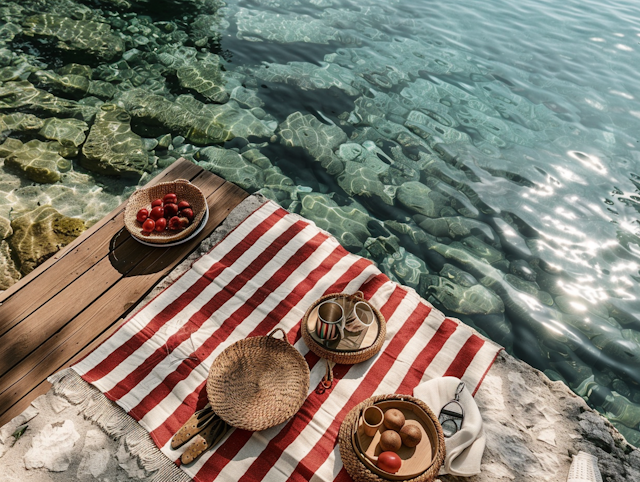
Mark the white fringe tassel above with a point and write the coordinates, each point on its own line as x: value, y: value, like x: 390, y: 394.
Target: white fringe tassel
x: 117, y: 423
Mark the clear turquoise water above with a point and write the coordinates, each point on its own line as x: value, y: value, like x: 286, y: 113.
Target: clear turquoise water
x: 484, y: 153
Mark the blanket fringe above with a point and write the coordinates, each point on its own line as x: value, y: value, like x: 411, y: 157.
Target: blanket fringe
x: 117, y: 423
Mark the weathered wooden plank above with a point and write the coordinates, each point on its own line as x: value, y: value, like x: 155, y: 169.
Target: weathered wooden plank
x: 120, y: 298
x: 78, y: 259
x: 181, y: 169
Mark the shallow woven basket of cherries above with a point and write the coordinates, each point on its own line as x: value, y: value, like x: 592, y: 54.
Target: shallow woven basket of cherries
x: 165, y: 213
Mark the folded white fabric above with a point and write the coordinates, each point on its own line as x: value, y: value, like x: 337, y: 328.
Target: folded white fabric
x: 465, y: 447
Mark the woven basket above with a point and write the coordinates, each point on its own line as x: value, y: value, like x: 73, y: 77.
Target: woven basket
x: 258, y: 382
x: 358, y: 470
x: 142, y: 198
x: 342, y: 357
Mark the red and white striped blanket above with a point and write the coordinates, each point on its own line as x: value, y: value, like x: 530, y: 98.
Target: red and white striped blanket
x: 263, y: 275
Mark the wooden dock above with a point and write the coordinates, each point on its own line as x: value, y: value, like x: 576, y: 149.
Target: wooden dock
x: 76, y: 299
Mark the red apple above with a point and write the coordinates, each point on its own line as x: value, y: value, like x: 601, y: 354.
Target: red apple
x: 389, y: 462
x: 183, y: 205
x: 142, y: 215
x: 157, y: 213
x: 170, y: 198
x: 170, y: 210
x: 187, y: 213
x: 175, y: 224
x: 161, y: 224
x: 148, y: 226
x: 156, y: 202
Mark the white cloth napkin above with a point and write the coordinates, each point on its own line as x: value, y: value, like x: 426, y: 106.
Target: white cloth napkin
x: 465, y: 448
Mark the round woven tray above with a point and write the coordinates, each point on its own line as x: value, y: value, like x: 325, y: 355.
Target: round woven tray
x: 142, y: 198
x: 358, y: 470
x: 258, y: 382
x: 344, y: 357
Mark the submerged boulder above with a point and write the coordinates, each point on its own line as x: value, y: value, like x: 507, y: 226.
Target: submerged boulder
x: 68, y: 132
x: 317, y: 138
x: 39, y: 161
x: 347, y: 223
x: 9, y: 274
x: 39, y: 234
x: 112, y: 148
x: 231, y: 166
x: 92, y: 37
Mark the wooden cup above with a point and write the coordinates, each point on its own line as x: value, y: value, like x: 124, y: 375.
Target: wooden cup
x: 372, y: 419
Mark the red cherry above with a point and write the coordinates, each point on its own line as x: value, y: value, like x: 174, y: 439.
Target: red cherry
x: 142, y: 215
x: 148, y: 226
x: 156, y: 202
x: 184, y: 222
x: 170, y: 198
x: 187, y: 213
x: 175, y: 224
x: 161, y: 224
x: 170, y: 210
x: 183, y: 205
x: 157, y: 213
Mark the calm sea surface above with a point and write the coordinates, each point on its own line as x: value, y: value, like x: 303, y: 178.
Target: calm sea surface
x: 484, y: 153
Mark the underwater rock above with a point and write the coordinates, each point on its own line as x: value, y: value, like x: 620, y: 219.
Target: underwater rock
x: 39, y: 161
x: 68, y: 132
x: 94, y: 38
x: 9, y: 275
x: 73, y: 85
x: 472, y: 300
x: 23, y: 95
x: 521, y: 268
x: 358, y: 180
x: 200, y: 123
x: 419, y: 198
x: 454, y: 227
x: 381, y: 247
x: 404, y: 267
x: 259, y: 26
x: 347, y: 223
x: 197, y: 71
x: 457, y: 276
x: 19, y: 122
x: 39, y: 234
x: 112, y: 148
x: 310, y: 76
x: 231, y: 166
x: 317, y: 138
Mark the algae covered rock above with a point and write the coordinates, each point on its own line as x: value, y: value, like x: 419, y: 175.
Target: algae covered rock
x: 39, y: 234
x: 317, y: 138
x: 24, y: 96
x: 92, y: 37
x: 470, y: 300
x: 112, y: 148
x: 19, y: 122
x: 39, y: 161
x: 358, y: 180
x: 347, y: 223
x: 68, y: 132
x: 404, y: 267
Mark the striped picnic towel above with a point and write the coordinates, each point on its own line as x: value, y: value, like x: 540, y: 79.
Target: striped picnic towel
x: 265, y: 274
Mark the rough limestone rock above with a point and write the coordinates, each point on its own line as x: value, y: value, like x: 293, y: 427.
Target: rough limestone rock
x: 95, y: 455
x: 347, y: 223
x: 52, y: 448
x: 419, y: 198
x: 68, y: 132
x: 39, y: 161
x: 9, y: 274
x: 39, y: 234
x: 112, y: 148
x: 317, y: 138
x: 91, y: 37
x: 231, y: 166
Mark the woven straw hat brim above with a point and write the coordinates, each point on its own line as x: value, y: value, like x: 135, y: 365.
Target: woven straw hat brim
x: 142, y: 198
x: 354, y: 466
x: 341, y: 357
x: 258, y: 382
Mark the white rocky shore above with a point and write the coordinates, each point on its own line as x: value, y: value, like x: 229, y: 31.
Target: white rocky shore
x: 533, y: 426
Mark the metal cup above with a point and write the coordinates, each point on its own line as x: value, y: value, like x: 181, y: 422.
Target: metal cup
x: 361, y: 317
x: 330, y: 324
